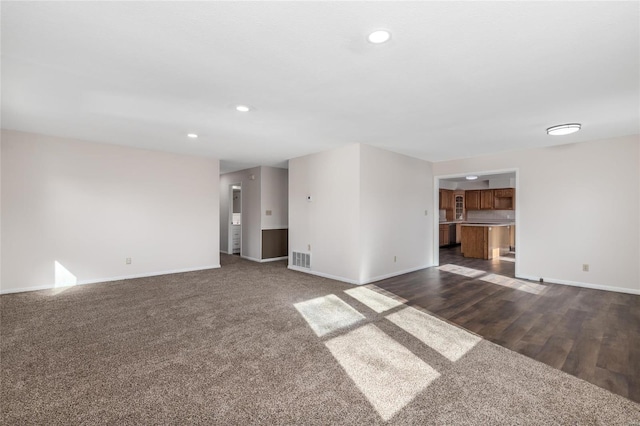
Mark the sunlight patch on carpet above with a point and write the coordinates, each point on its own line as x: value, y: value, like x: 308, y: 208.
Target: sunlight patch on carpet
x: 461, y: 270
x: 507, y: 259
x: 516, y: 284
x: 450, y: 341
x: 327, y: 314
x: 388, y: 374
x: 376, y: 301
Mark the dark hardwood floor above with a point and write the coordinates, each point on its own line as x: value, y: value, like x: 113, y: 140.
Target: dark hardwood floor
x: 591, y: 334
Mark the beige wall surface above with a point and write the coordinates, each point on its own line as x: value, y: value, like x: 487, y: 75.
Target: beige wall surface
x: 330, y: 222
x: 366, y: 220
x: 73, y: 211
x: 274, y: 196
x: 576, y: 204
x: 396, y: 234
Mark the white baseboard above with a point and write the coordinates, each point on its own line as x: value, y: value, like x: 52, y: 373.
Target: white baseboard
x: 104, y: 280
x: 323, y: 275
x: 585, y: 285
x: 394, y: 274
x: 273, y: 259
x: 358, y: 282
x: 225, y: 252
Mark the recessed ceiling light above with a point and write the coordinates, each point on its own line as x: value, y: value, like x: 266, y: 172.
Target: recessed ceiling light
x: 379, y: 36
x: 192, y: 135
x: 243, y: 108
x: 471, y: 177
x: 564, y: 129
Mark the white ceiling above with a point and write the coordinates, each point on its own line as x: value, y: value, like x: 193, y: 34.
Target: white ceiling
x: 457, y: 79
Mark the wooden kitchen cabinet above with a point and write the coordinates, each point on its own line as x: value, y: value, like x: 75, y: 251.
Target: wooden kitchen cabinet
x: 446, y: 199
x: 472, y: 200
x: 444, y: 235
x: 490, y: 199
x: 486, y: 199
x: 474, y: 242
x: 512, y: 237
x: 504, y: 199
x: 484, y: 242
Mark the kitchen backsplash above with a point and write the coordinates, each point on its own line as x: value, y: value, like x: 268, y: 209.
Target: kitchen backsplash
x: 482, y: 215
x: 443, y: 215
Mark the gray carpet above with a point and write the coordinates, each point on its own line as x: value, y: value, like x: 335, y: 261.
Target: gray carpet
x: 259, y: 344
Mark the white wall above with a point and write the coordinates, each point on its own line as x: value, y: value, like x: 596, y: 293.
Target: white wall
x: 274, y: 196
x: 89, y: 206
x: 577, y: 204
x: 368, y: 206
x: 330, y: 223
x: 395, y: 191
x: 251, y: 246
x: 1, y: 213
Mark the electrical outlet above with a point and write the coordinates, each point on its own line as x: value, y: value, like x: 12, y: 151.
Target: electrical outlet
x: 268, y: 213
x: 426, y: 213
x: 128, y: 261
x: 395, y: 258
x: 308, y: 247
x: 585, y: 267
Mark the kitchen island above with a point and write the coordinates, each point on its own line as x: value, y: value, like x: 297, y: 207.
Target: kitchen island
x: 485, y: 240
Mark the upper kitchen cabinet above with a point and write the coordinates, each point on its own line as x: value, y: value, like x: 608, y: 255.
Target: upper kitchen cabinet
x: 472, y: 200
x: 490, y: 199
x: 486, y: 199
x: 504, y: 199
x: 446, y: 199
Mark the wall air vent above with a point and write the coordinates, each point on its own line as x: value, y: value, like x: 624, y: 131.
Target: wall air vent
x: 302, y: 260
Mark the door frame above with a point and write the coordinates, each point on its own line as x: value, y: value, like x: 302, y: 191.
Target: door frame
x: 436, y: 220
x: 230, y: 221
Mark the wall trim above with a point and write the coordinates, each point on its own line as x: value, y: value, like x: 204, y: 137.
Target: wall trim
x: 579, y: 284
x: 104, y: 280
x: 323, y: 275
x: 273, y: 259
x: 394, y: 274
x: 223, y: 251
x: 358, y: 282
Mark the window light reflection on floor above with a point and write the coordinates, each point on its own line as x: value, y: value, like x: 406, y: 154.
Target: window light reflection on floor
x: 327, y: 314
x: 376, y: 301
x: 461, y: 270
x: 388, y: 374
x: 513, y: 283
x: 450, y: 341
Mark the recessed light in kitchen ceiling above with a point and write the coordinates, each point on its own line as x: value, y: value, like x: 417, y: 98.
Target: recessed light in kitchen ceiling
x: 192, y: 135
x: 379, y: 36
x: 243, y: 108
x: 564, y: 129
x: 471, y: 177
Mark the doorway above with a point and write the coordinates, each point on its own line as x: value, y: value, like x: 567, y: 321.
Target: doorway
x: 471, y: 204
x: 235, y: 219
